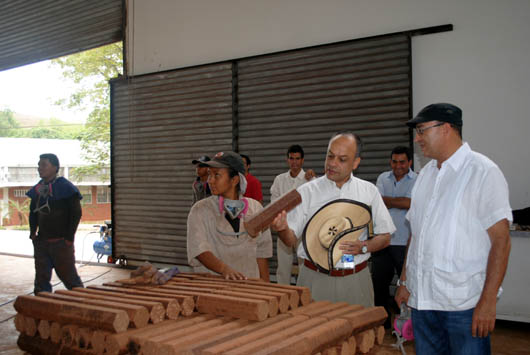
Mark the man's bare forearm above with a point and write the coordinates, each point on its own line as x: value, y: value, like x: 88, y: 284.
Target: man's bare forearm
x: 263, y: 266
x: 397, y: 202
x: 497, y: 258
x: 288, y: 237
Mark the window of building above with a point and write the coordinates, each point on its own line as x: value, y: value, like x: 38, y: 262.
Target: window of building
x: 20, y: 193
x: 86, y: 191
x: 103, y: 195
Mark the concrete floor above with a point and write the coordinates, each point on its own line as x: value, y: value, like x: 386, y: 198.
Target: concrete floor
x: 17, y: 279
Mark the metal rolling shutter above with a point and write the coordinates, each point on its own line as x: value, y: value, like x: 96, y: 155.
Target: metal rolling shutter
x: 304, y: 96
x: 35, y: 30
x: 160, y: 123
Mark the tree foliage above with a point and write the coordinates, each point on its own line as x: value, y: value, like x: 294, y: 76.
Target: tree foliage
x: 53, y: 128
x: 91, y: 71
x: 20, y: 209
x: 8, y: 124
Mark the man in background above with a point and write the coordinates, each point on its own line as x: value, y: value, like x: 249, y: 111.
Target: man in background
x: 200, y: 188
x: 253, y: 184
x: 395, y: 187
x: 55, y: 212
x: 282, y: 184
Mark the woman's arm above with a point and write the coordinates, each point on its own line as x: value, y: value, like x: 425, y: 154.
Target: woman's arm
x: 217, y: 265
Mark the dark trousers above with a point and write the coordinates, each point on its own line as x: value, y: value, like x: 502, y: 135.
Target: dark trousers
x: 54, y: 255
x: 385, y: 263
x: 442, y: 332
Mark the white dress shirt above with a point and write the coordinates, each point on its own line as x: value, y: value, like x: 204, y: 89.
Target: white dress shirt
x: 317, y: 192
x: 451, y: 210
x: 284, y: 183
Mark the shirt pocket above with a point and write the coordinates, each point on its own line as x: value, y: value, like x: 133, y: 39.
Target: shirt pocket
x: 451, y: 288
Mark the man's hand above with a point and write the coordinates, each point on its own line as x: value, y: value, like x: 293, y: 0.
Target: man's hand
x: 402, y: 295
x: 310, y: 174
x: 352, y: 248
x: 231, y: 274
x: 484, y: 318
x: 279, y: 223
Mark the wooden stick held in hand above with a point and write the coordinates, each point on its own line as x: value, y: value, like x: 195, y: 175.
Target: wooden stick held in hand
x: 263, y: 220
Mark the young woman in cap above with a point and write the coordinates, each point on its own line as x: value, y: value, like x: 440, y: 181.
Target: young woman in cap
x: 217, y: 241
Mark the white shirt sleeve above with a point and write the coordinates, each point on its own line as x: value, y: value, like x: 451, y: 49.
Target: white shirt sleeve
x: 275, y: 189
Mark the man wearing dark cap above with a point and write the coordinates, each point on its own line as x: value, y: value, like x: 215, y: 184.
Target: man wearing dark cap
x: 200, y: 188
x: 55, y: 212
x: 459, y: 245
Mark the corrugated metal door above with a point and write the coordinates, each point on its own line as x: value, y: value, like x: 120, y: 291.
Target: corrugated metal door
x: 160, y: 123
x: 35, y: 30
x: 304, y: 96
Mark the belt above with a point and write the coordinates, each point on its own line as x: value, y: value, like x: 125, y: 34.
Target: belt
x: 335, y: 272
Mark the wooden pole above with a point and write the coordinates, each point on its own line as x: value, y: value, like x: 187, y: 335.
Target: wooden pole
x: 68, y: 312
x: 138, y: 315
x: 221, y: 305
x: 187, y: 303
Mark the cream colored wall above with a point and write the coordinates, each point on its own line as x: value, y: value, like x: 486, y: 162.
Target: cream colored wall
x: 482, y: 65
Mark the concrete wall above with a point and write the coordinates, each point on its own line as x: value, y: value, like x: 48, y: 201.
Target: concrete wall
x: 482, y: 66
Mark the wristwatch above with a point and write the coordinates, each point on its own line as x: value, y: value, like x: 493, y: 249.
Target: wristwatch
x: 401, y: 283
x: 364, y: 249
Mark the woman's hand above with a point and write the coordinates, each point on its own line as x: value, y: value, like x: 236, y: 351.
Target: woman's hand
x: 231, y: 274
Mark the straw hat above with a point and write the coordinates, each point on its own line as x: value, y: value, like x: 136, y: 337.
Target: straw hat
x: 337, y: 221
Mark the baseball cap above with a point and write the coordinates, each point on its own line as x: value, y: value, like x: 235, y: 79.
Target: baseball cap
x: 227, y: 160
x: 442, y: 112
x: 201, y: 160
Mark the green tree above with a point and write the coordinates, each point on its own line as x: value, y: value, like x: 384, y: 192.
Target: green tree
x: 21, y: 209
x: 91, y: 71
x: 54, y: 129
x: 8, y: 124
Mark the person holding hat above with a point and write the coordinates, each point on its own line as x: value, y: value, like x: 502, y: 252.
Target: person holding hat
x: 217, y: 241
x: 338, y: 214
x: 200, y: 188
x: 459, y: 245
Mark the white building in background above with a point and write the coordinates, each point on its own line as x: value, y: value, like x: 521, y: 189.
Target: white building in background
x: 18, y: 172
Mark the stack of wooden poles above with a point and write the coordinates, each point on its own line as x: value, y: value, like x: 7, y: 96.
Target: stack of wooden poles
x: 194, y: 314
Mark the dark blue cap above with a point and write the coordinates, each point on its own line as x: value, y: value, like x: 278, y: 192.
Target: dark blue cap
x: 438, y: 112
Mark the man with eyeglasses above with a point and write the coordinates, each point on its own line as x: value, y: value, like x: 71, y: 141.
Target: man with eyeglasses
x: 55, y: 212
x: 459, y: 245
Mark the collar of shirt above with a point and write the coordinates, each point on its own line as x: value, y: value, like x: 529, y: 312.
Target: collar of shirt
x: 410, y: 175
x: 457, y: 159
x: 301, y: 174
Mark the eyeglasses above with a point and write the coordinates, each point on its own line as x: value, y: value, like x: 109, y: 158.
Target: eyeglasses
x: 421, y: 131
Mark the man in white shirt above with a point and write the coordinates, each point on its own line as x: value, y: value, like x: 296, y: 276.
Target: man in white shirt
x: 282, y: 184
x: 459, y: 245
x: 349, y: 285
